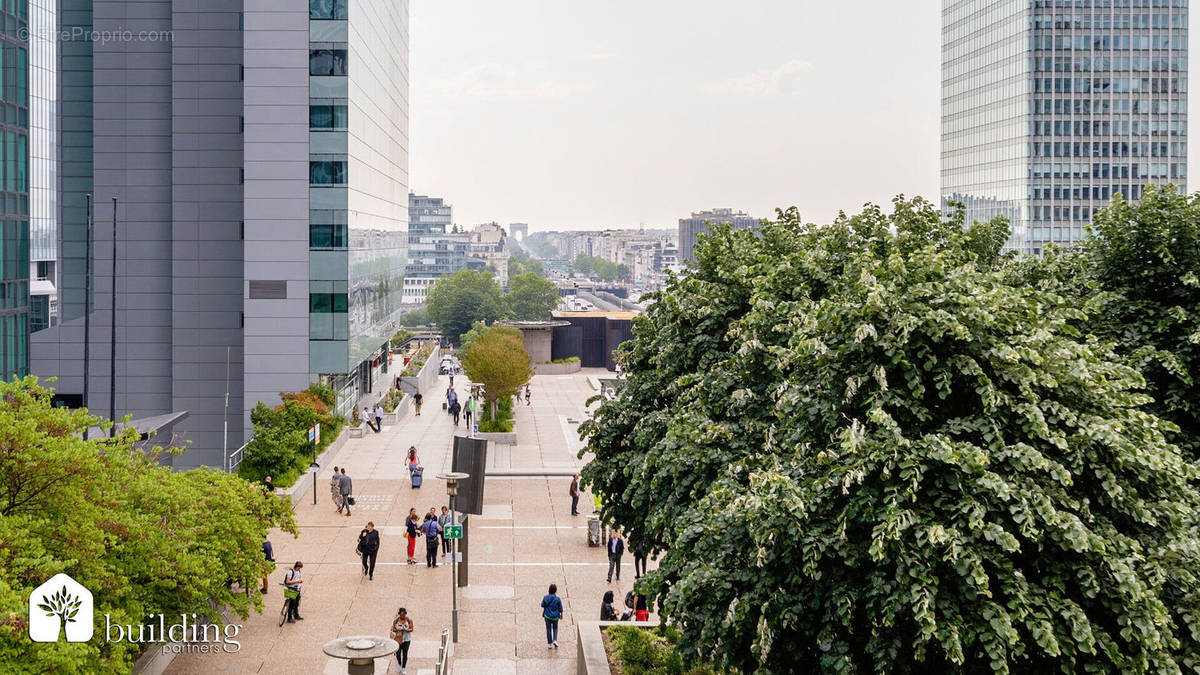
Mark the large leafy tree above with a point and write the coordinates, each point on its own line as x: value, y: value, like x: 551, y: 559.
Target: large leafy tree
x: 142, y: 538
x: 467, y: 296
x: 497, y: 359
x: 1146, y: 256
x: 531, y: 298
x: 861, y: 447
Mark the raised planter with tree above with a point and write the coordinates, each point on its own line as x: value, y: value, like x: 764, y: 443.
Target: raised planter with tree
x: 497, y: 359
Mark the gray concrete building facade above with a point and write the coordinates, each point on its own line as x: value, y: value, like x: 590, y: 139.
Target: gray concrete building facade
x: 219, y: 140
x: 1051, y: 108
x: 698, y: 223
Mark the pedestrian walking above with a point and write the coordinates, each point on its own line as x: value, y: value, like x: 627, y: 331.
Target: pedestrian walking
x: 410, y: 531
x: 575, y: 495
x: 552, y: 611
x: 431, y: 530
x: 443, y: 520
x: 367, y: 419
x: 402, y: 628
x: 607, y: 612
x: 417, y: 402
x: 378, y: 416
x: 455, y: 409
x: 291, y: 583
x: 638, y: 545
x: 335, y: 489
x: 347, y: 489
x: 451, y: 397
x: 467, y: 410
x: 616, y: 549
x: 368, y: 548
x: 269, y: 554
x: 528, y: 393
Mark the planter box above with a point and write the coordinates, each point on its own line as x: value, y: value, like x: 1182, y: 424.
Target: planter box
x: 426, y: 380
x: 499, y: 437
x: 592, y: 660
x: 556, y: 368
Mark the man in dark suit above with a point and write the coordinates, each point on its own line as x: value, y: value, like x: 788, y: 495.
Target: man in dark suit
x: 616, y: 549
x: 347, y: 489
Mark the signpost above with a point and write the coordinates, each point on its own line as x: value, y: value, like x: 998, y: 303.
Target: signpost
x: 454, y: 531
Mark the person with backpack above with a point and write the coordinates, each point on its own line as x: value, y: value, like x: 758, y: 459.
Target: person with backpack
x: 402, y: 628
x: 291, y: 590
x: 368, y: 548
x: 638, y: 546
x: 607, y: 613
x: 616, y: 549
x: 552, y: 611
x: 455, y: 411
x: 417, y: 402
x: 430, y: 529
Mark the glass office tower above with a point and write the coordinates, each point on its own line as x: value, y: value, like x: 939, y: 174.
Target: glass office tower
x: 14, y: 189
x: 1050, y: 107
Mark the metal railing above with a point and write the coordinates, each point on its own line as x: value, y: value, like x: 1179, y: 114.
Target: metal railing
x: 234, y: 460
x: 443, y: 660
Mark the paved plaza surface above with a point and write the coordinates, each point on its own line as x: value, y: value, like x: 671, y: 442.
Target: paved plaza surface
x: 525, y: 540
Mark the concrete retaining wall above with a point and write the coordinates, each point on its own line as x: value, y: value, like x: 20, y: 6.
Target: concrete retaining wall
x: 426, y: 380
x: 556, y: 368
x: 592, y: 659
x: 500, y: 437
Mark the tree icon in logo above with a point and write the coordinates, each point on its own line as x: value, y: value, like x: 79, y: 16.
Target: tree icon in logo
x: 62, y: 604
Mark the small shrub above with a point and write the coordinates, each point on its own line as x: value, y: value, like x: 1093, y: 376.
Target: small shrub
x: 325, y: 392
x: 645, y: 652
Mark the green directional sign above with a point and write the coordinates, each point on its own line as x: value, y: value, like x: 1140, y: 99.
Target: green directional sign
x: 453, y: 532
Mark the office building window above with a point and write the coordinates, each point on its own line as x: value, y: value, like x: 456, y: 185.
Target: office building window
x: 327, y: 173
x: 327, y: 62
x: 327, y: 303
x: 327, y: 9
x: 327, y: 235
x: 327, y: 116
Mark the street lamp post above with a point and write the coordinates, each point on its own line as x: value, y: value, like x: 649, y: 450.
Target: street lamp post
x: 452, y: 479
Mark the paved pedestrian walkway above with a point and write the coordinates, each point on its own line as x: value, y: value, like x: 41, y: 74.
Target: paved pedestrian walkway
x: 525, y: 540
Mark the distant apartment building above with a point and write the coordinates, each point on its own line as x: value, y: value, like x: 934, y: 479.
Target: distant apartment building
x: 258, y: 157
x: 434, y: 249
x: 489, y: 249
x: 1051, y: 108
x: 691, y: 228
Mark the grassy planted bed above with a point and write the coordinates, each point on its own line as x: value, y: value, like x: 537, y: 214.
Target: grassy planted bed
x: 633, y: 650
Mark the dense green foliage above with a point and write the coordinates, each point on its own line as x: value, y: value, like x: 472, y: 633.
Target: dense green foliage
x: 503, y: 419
x: 866, y: 447
x: 279, y: 447
x: 520, y: 262
x: 467, y: 296
x: 142, y: 538
x: 417, y: 317
x: 1146, y: 257
x: 530, y: 297
x: 497, y: 359
x: 600, y: 268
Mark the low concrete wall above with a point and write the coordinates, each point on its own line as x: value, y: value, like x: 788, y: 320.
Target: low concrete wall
x: 556, y: 368
x: 592, y: 660
x: 304, y: 483
x: 426, y: 380
x: 500, y: 437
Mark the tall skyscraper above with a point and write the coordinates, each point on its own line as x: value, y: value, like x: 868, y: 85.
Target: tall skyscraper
x: 14, y: 189
x: 690, y: 228
x: 43, y: 162
x: 258, y: 153
x: 1049, y: 108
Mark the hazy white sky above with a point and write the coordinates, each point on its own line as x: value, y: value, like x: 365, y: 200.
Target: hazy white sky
x: 574, y: 114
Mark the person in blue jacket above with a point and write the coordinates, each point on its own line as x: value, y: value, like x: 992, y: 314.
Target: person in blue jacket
x: 552, y: 610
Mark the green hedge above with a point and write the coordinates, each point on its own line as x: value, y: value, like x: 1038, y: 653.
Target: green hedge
x: 642, y: 651
x: 504, y: 417
x: 279, y: 447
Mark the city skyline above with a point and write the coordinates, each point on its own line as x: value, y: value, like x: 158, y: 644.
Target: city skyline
x: 547, y: 82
